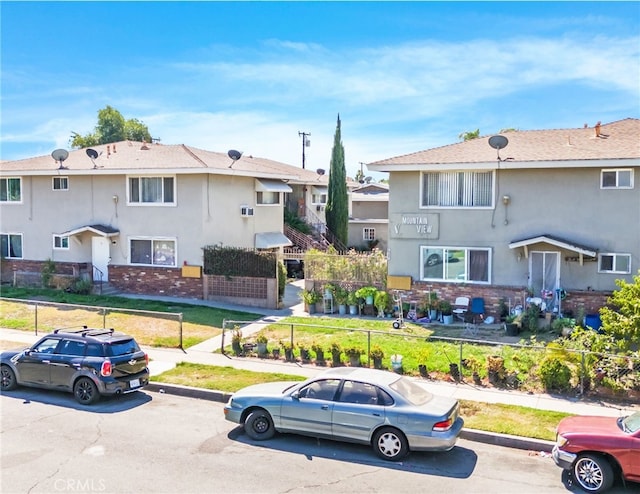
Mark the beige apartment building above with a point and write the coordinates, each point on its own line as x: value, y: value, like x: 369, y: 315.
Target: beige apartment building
x: 527, y: 213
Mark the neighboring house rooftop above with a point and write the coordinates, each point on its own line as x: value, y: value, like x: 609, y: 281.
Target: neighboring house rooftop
x: 618, y: 140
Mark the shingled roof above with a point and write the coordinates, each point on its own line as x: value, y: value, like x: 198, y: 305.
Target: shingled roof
x: 531, y: 149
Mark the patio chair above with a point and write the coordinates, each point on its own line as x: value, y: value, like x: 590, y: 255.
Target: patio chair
x: 474, y: 316
x: 460, y: 307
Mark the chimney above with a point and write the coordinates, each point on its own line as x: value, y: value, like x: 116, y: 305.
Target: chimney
x: 597, y: 127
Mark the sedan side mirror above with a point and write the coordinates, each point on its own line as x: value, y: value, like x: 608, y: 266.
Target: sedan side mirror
x: 295, y: 395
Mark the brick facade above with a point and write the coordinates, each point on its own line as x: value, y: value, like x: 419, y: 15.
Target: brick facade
x: 148, y: 280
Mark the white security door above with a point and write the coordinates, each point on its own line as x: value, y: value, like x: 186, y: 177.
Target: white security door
x: 544, y: 272
x: 100, y: 257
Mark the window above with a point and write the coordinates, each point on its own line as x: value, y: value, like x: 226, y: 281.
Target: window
x: 47, y: 346
x: 360, y: 393
x: 268, y: 197
x: 70, y: 347
x: 455, y: 264
x: 11, y: 245
x: 318, y: 198
x: 614, y: 263
x: 10, y: 190
x: 616, y: 179
x: 457, y: 189
x: 60, y: 183
x: 60, y: 242
x: 324, y: 389
x: 151, y: 190
x: 368, y: 234
x: 153, y: 252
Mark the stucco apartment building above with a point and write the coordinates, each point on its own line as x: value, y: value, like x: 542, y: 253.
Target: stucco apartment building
x: 532, y: 213
x: 138, y: 215
x: 369, y: 216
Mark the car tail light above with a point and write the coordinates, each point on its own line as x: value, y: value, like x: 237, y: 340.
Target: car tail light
x: 146, y: 359
x: 444, y: 425
x: 106, y: 368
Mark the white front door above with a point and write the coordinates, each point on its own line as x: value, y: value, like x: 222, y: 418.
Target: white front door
x: 100, y: 257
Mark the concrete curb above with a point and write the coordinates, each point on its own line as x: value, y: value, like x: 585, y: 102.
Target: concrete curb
x: 496, y: 439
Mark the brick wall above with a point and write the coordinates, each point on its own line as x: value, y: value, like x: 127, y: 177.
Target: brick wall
x: 243, y: 290
x: 590, y: 301
x: 147, y: 280
x: 9, y: 266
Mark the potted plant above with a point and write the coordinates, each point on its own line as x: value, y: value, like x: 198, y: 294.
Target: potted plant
x: 376, y: 354
x: 354, y: 356
x: 352, y: 301
x: 367, y: 293
x: 511, y: 325
x: 288, y: 351
x: 262, y: 340
x: 310, y: 297
x: 341, y: 296
x: 434, y: 306
x: 304, y: 352
x: 475, y: 365
x: 496, y: 369
x: 446, y: 310
x: 336, y: 351
x: 381, y: 301
x: 563, y: 325
x: 319, y: 351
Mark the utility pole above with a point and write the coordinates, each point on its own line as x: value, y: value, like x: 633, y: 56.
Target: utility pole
x: 305, y: 143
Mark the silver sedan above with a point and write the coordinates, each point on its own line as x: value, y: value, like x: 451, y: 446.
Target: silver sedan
x: 390, y: 412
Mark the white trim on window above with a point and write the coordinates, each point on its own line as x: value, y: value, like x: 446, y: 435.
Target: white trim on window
x: 368, y: 234
x: 265, y: 198
x: 156, y: 190
x: 612, y: 262
x: 457, y: 189
x: 153, y: 251
x: 60, y: 242
x: 616, y: 178
x: 455, y: 264
x: 60, y: 183
x: 11, y: 245
x: 8, y: 192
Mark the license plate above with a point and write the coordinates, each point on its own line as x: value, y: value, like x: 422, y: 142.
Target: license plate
x: 135, y: 383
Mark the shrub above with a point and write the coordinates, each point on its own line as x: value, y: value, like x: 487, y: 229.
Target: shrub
x: 554, y: 374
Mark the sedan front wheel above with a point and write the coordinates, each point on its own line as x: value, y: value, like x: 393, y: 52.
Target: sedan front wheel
x: 593, y: 473
x: 390, y: 444
x: 259, y: 425
x: 7, y: 378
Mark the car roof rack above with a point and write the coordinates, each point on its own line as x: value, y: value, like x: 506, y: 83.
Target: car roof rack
x: 86, y: 331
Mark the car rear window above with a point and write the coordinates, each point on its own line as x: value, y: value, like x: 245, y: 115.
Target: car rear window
x: 124, y: 347
x: 412, y: 392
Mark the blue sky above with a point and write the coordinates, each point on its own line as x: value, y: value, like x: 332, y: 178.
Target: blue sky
x: 404, y: 76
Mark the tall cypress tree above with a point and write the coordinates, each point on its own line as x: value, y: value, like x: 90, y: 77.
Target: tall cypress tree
x: 337, y: 211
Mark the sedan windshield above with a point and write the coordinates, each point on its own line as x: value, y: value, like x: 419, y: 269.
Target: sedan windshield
x: 412, y: 392
x: 631, y: 423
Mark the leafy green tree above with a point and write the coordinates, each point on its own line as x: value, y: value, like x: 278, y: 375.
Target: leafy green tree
x: 467, y: 136
x: 622, y: 320
x: 112, y: 127
x: 337, y: 210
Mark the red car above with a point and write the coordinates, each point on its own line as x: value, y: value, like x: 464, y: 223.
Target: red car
x: 598, y: 450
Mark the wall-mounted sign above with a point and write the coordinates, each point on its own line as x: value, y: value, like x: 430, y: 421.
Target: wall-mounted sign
x: 414, y: 225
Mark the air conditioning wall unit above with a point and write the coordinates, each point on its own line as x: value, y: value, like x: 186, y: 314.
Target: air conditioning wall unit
x: 246, y: 211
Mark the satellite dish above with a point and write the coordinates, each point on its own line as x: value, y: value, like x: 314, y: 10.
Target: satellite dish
x: 60, y: 154
x: 320, y: 171
x: 92, y: 153
x: 234, y: 155
x: 368, y: 179
x: 498, y: 142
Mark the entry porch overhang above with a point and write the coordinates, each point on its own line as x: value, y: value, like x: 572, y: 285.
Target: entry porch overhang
x: 101, y: 230
x: 582, y: 250
x: 270, y: 240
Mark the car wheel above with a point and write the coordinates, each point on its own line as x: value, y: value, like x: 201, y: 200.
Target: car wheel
x: 390, y: 444
x: 593, y: 473
x: 85, y: 391
x: 259, y: 425
x: 433, y: 259
x: 7, y: 378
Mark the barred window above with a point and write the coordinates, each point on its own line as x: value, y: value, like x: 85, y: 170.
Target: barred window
x: 466, y: 189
